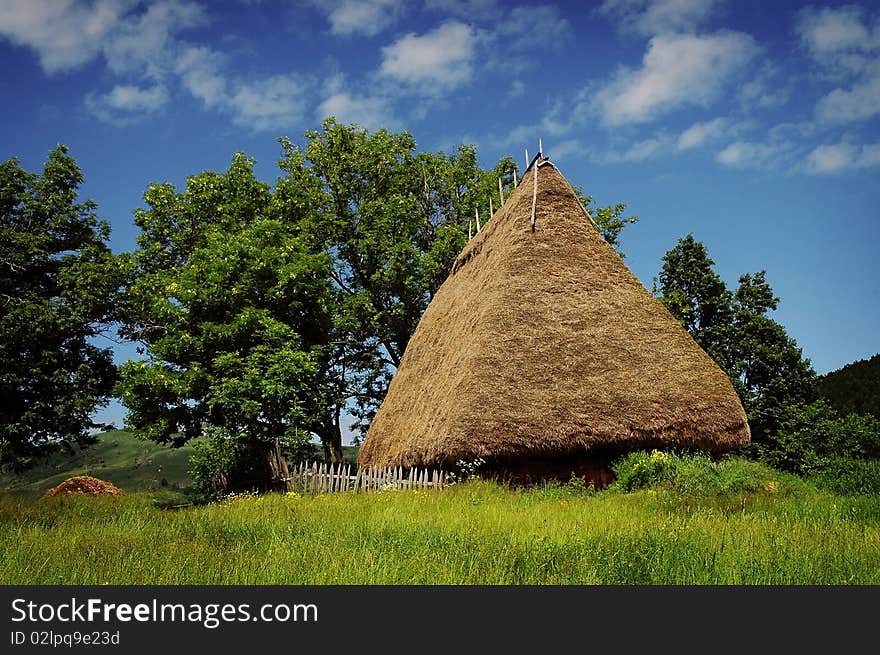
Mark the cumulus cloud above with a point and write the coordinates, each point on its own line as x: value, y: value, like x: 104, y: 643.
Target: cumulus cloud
x: 860, y: 101
x: 260, y: 104
x: 126, y: 103
x: 847, y: 48
x: 439, y: 58
x: 370, y: 111
x: 277, y: 101
x: 677, y: 70
x: 828, y: 31
x: 199, y: 69
x: 700, y: 133
x: 66, y: 34
x: 650, y: 17
x: 747, y: 154
x: 367, y: 17
x: 838, y: 157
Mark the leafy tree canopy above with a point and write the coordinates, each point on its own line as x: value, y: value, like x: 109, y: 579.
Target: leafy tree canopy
x: 855, y: 388
x: 766, y: 366
x: 231, y: 306
x: 58, y: 290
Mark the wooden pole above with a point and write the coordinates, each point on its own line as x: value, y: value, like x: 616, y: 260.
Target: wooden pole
x: 534, y: 195
x: 500, y: 192
x: 477, y: 212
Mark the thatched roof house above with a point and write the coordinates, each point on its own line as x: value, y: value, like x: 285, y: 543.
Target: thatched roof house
x: 544, y: 355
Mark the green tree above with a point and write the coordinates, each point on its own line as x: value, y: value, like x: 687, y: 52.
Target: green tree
x: 230, y: 304
x: 58, y: 289
x: 766, y: 366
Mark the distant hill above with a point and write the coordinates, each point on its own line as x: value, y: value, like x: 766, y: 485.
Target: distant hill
x: 118, y: 457
x: 123, y: 459
x: 855, y: 388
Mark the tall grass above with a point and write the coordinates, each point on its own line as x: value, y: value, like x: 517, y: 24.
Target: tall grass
x: 474, y: 533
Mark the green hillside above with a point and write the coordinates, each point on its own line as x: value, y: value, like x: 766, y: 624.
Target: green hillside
x: 855, y: 388
x: 118, y: 457
x: 126, y: 461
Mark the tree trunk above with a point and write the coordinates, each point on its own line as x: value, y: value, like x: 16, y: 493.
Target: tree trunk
x: 334, y: 443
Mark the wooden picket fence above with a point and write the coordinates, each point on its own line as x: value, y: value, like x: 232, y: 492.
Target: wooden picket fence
x: 320, y: 478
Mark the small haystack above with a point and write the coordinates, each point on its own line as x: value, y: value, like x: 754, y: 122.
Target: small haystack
x: 85, y: 484
x: 545, y: 356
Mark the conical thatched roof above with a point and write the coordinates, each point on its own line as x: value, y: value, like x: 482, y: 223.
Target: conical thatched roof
x: 543, y: 344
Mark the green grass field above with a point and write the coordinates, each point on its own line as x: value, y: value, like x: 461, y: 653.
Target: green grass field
x: 475, y: 533
x: 688, y: 521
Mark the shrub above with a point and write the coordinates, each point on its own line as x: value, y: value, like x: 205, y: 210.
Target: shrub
x: 849, y: 476
x: 695, y: 474
x: 813, y: 435
x: 224, y: 462
x: 640, y: 469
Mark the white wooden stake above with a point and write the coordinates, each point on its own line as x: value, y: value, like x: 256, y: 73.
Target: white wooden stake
x: 477, y: 212
x: 515, y: 183
x: 470, y: 229
x: 534, y: 195
x: 491, y: 209
x: 500, y: 192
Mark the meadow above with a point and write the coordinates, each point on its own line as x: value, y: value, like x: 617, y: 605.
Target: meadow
x: 784, y: 532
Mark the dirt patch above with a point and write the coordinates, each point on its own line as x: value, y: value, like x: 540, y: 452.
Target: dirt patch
x: 85, y: 484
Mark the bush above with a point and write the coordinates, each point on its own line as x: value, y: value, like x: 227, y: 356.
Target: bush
x: 224, y: 462
x: 212, y: 465
x: 813, y: 435
x: 848, y: 476
x: 640, y: 469
x: 694, y: 474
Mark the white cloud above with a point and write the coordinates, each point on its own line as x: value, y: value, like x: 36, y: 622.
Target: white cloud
x: 439, y: 58
x: 677, y: 70
x: 842, y: 156
x: 859, y: 102
x: 370, y: 111
x: 146, y: 42
x: 367, y: 17
x: 646, y: 149
x: 699, y: 133
x: 274, y: 102
x: 199, y: 71
x: 746, y: 154
x: 847, y: 48
x: 828, y: 30
x: 126, y: 103
x: 566, y: 149
x: 65, y: 34
x: 651, y: 17
x: 771, y: 87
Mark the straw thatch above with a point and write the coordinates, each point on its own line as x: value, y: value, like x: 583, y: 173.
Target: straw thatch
x: 542, y: 345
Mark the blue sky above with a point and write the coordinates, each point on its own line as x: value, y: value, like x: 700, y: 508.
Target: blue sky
x: 753, y: 125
